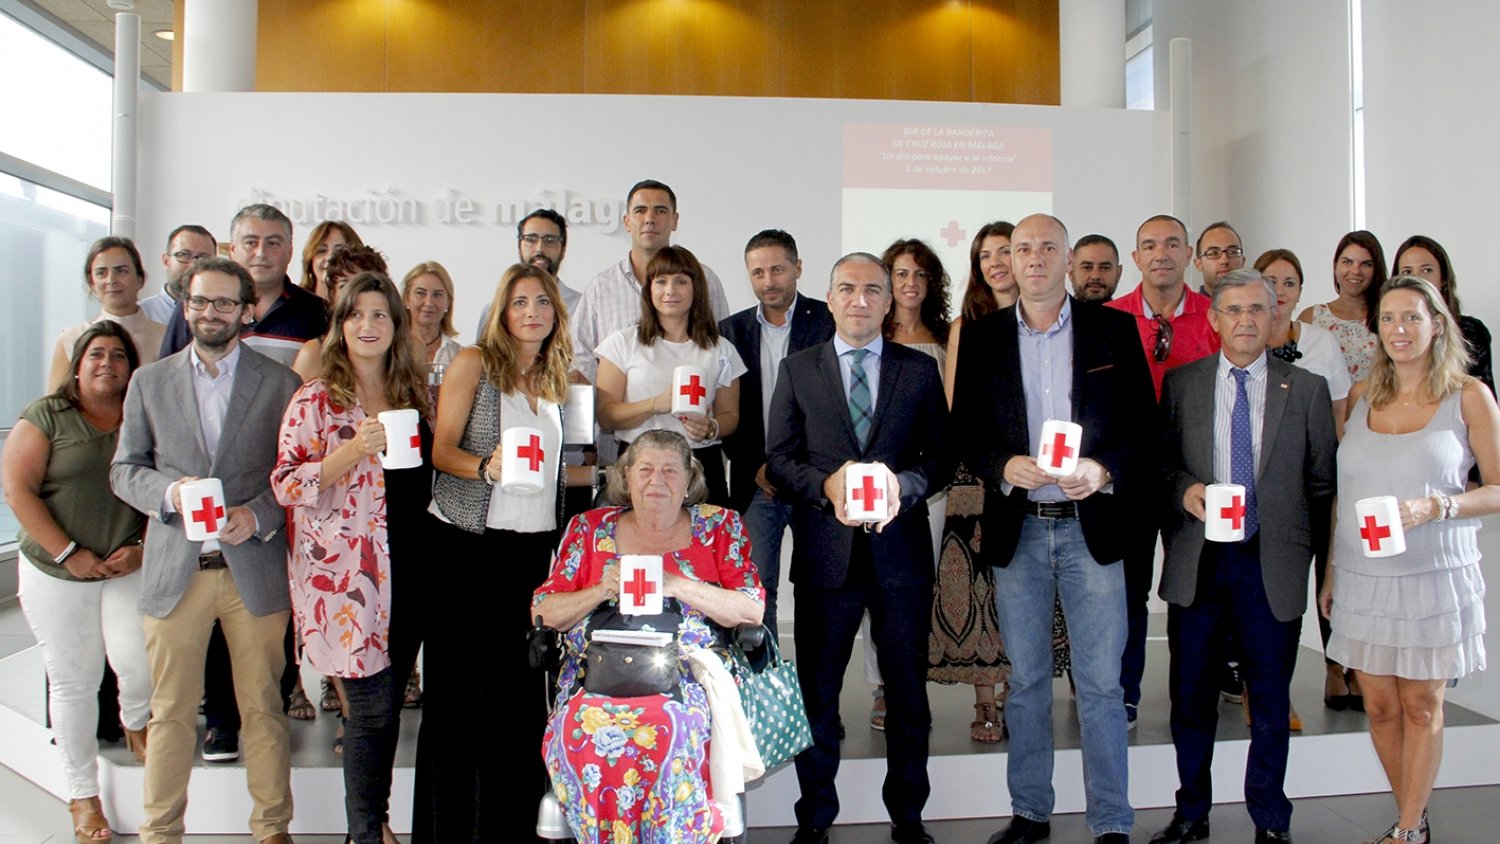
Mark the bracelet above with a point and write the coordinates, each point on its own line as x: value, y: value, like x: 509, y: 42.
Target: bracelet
x: 1450, y: 507
x: 484, y: 465
x: 66, y: 553
x: 715, y: 434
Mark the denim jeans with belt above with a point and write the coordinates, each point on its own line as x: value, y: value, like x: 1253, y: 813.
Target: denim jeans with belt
x: 1052, y: 559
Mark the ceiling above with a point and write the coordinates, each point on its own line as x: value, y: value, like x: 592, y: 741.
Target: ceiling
x: 95, y: 21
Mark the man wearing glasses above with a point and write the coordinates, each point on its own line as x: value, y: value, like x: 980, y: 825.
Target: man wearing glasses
x: 1173, y: 323
x: 541, y: 241
x: 1219, y: 252
x: 212, y: 411
x: 284, y: 316
x: 185, y: 245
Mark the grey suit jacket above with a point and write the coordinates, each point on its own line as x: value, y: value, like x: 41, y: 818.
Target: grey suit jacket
x: 161, y: 441
x: 1295, y: 475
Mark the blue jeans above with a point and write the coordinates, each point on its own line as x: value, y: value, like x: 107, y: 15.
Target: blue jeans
x: 766, y: 520
x: 1052, y: 560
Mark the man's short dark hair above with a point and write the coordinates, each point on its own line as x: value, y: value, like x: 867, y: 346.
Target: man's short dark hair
x: 1095, y: 240
x: 1160, y: 218
x: 774, y: 237
x: 549, y: 215
x: 1221, y: 224
x: 650, y: 184
x: 218, y: 264
x: 190, y: 229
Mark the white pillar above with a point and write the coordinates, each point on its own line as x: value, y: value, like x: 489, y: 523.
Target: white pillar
x: 1182, y: 128
x: 218, y: 45
x: 1091, y: 58
x: 127, y: 84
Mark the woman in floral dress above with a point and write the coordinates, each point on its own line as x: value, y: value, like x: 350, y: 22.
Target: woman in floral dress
x: 635, y: 769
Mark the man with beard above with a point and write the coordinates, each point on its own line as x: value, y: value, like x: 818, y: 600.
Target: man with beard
x: 211, y: 411
x: 185, y: 245
x: 1219, y: 252
x: 1096, y: 270
x: 284, y: 315
x: 541, y: 241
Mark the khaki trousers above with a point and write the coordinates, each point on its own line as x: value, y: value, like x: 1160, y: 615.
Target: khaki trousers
x: 176, y: 646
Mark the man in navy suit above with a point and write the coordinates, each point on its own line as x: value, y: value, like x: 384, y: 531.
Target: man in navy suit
x: 859, y: 399
x: 1047, y: 537
x: 783, y: 323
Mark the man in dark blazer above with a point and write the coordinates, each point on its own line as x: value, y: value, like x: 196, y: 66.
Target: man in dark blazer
x: 212, y: 410
x: 860, y: 399
x: 1048, y: 358
x: 1242, y: 417
x: 782, y: 324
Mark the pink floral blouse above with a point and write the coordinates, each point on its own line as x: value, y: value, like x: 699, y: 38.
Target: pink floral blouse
x: 340, y: 563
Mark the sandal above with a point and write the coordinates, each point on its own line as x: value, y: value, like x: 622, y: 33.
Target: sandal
x: 328, y: 698
x: 298, y: 706
x: 877, y: 709
x: 89, y: 825
x: 338, y: 738
x: 987, y: 726
x: 413, y: 699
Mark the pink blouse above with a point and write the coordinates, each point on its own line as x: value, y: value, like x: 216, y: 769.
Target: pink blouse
x: 340, y: 562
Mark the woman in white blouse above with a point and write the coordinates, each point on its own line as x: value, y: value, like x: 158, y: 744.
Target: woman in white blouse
x: 677, y: 328
x: 114, y: 276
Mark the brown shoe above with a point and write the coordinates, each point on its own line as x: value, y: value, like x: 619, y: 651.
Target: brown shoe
x: 278, y: 838
x: 89, y: 824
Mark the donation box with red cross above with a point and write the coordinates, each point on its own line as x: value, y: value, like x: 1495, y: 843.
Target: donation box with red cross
x: 640, y: 584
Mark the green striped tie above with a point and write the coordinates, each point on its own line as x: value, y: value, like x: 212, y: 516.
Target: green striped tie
x: 859, y: 397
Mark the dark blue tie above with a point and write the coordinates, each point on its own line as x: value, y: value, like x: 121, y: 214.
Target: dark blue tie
x: 1242, y: 450
x: 860, y: 411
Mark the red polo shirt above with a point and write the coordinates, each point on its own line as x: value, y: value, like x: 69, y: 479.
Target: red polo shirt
x: 1192, y: 336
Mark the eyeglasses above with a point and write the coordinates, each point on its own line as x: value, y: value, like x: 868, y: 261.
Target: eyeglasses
x: 1214, y: 253
x: 1237, y: 311
x: 184, y: 256
x: 1163, y: 349
x: 545, y: 239
x: 223, y: 306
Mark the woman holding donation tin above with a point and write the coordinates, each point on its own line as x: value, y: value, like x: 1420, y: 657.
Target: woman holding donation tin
x: 1405, y: 594
x: 673, y: 371
x: 498, y: 498
x: 354, y: 472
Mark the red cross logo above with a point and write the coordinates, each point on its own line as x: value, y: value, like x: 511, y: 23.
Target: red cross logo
x: 1235, y: 512
x: 694, y: 390
x: 953, y: 234
x: 1060, y: 450
x: 1373, y: 533
x: 210, y: 515
x: 416, y: 442
x: 532, y: 453
x: 868, y: 493
x: 639, y: 587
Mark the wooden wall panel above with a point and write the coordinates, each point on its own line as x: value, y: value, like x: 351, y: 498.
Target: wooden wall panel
x: 707, y: 47
x: 953, y: 50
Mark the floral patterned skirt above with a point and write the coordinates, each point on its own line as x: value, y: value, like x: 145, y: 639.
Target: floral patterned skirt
x: 633, y: 770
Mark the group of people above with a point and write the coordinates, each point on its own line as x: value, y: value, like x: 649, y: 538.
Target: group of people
x: 987, y: 570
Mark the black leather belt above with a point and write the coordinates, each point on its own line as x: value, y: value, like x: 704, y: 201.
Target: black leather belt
x: 214, y: 560
x: 1052, y: 509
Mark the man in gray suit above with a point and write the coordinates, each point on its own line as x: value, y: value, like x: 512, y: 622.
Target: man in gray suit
x: 1240, y: 417
x: 211, y: 410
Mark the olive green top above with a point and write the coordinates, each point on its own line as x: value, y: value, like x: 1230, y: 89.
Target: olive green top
x: 75, y: 487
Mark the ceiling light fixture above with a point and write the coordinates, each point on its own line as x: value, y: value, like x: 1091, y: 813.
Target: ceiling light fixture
x: 165, y: 34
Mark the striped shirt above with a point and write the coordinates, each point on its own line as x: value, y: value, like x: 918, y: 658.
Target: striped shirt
x: 1225, y: 388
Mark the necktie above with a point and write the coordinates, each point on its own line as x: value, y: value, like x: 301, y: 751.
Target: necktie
x: 1242, y: 450
x: 860, y: 411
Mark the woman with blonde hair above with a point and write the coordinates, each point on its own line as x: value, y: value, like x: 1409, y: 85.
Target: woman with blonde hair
x: 427, y: 291
x: 1410, y: 623
x: 515, y: 376
x: 359, y: 528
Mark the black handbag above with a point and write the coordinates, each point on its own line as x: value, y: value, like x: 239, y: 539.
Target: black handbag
x: 628, y: 669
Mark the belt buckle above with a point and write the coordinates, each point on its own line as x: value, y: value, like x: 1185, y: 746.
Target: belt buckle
x: 212, y: 560
x: 1053, y: 509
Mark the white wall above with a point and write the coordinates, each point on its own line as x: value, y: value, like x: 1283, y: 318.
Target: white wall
x: 738, y: 166
x: 1432, y: 119
x: 1270, y: 123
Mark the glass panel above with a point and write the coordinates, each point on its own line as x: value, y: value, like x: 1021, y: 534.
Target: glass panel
x: 58, y: 107
x: 1140, y: 84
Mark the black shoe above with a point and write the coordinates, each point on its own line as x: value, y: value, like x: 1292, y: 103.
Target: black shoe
x: 221, y: 745
x: 1112, y: 838
x: 1232, y: 685
x: 911, y: 833
x: 1273, y: 836
x: 1022, y: 831
x: 1181, y: 829
x: 808, y: 835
